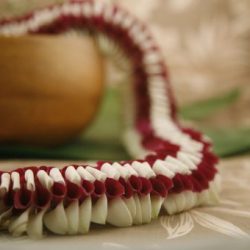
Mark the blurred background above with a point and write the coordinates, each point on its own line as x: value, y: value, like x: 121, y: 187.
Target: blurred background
x: 207, y: 50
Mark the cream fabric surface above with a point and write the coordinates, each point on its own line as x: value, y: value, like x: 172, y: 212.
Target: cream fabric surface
x: 225, y: 225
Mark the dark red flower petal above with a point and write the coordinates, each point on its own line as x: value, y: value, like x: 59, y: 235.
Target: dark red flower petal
x: 193, y: 133
x: 201, y: 179
x: 178, y: 184
x: 187, y: 182
x: 208, y: 171
x: 87, y: 189
x: 99, y: 190
x: 58, y: 191
x: 42, y: 196
x: 158, y: 187
x: 128, y: 190
x: 114, y: 188
x: 168, y: 183
x: 196, y: 184
x: 74, y: 191
x: 23, y: 198
x: 146, y: 186
x: 135, y: 183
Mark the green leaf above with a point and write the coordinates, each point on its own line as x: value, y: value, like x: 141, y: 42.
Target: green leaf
x: 82, y: 150
x: 229, y: 141
x: 203, y: 109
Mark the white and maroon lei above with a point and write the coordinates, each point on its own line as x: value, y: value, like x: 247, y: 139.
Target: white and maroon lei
x: 174, y: 168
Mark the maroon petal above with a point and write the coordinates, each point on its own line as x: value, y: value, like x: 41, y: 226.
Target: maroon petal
x: 208, y: 171
x: 153, y: 143
x: 187, y: 182
x: 210, y: 158
x: 99, y: 190
x: 128, y: 190
x: 87, y: 189
x: 114, y: 188
x: 158, y: 187
x: 42, y: 196
x: 23, y: 198
x: 168, y: 183
x: 58, y: 191
x: 146, y: 186
x: 151, y: 159
x: 135, y: 183
x: 193, y: 133
x: 211, y: 169
x: 74, y: 191
x: 178, y: 184
x: 201, y: 179
x: 196, y: 185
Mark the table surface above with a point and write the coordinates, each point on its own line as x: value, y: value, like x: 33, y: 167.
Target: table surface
x: 227, y: 224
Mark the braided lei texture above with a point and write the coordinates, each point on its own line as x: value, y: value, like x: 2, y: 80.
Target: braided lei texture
x: 174, y: 170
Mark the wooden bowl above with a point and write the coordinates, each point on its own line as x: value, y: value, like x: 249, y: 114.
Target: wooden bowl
x: 50, y: 88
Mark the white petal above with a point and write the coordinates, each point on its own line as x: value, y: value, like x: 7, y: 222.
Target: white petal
x: 72, y: 175
x: 138, y: 215
x: 213, y: 193
x: 203, y: 197
x: 191, y: 200
x: 151, y: 57
x: 180, y: 200
x: 85, y: 215
x: 130, y: 169
x: 118, y: 17
x: 100, y: 176
x: 72, y: 213
x: 35, y: 225
x: 118, y: 213
x: 170, y: 205
x: 98, y: 8
x: 5, y: 183
x: 56, y: 175
x: 130, y: 203
x: 160, y: 169
x: 110, y: 171
x: 156, y: 203
x: 127, y: 22
x: 143, y: 169
x: 108, y: 13
x: 15, y: 177
x: 85, y: 174
x: 185, y: 159
x: 123, y: 171
x: 146, y: 208
x: 182, y: 168
x: 56, y: 220
x: 45, y: 179
x: 29, y: 178
x: 100, y: 210
x: 18, y: 225
x: 87, y: 9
